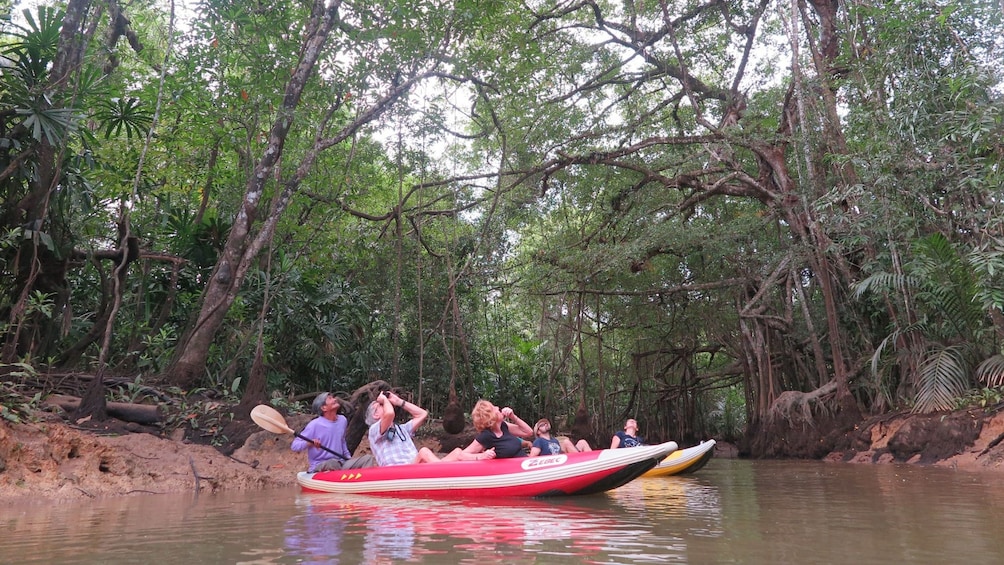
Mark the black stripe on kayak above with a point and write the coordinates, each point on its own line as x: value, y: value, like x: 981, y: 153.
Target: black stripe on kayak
x: 611, y: 481
x: 700, y: 463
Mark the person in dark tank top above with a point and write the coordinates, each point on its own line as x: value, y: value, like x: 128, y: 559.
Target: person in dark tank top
x: 628, y: 437
x: 499, y: 430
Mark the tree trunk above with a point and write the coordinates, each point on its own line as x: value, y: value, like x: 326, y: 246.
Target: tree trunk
x: 250, y: 234
x: 246, y: 238
x: 125, y: 411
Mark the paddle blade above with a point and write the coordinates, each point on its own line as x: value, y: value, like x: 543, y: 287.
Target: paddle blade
x: 270, y: 419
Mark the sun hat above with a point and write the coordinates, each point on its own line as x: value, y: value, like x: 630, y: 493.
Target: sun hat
x: 538, y: 424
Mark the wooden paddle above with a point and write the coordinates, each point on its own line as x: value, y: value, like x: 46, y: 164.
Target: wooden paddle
x: 270, y: 419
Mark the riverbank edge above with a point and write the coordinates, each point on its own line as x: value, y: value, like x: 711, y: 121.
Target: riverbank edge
x: 51, y: 460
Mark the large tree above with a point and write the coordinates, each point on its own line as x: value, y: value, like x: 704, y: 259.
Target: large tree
x: 387, y: 57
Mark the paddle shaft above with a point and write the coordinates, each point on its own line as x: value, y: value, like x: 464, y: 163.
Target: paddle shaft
x: 271, y: 420
x: 311, y: 442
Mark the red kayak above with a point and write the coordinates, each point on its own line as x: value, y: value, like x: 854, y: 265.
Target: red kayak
x: 547, y: 475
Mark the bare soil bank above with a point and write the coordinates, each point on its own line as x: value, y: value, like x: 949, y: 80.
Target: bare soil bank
x: 51, y: 460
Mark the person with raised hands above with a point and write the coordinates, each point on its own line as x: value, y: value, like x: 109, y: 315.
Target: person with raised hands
x: 500, y: 431
x: 393, y: 443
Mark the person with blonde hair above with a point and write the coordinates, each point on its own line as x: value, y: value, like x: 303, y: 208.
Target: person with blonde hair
x: 495, y: 431
x: 544, y: 444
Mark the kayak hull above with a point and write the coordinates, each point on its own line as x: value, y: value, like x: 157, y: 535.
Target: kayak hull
x: 684, y: 461
x: 533, y: 477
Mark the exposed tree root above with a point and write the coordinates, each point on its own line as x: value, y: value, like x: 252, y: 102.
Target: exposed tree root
x: 794, y: 406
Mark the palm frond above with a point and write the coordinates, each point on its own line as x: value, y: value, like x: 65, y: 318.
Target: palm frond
x: 949, y: 284
x: 916, y: 329
x: 124, y: 115
x: 884, y: 282
x: 944, y: 377
x: 991, y: 371
x: 52, y: 123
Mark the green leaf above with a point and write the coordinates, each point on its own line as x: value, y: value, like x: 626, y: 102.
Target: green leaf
x: 52, y: 123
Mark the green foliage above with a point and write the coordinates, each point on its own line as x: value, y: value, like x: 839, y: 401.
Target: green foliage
x: 316, y: 327
x: 725, y: 414
x: 947, y: 338
x: 54, y: 124
x: 285, y: 405
x: 16, y: 406
x: 190, y: 410
x: 157, y: 350
x: 40, y: 303
x: 32, y: 47
x: 131, y: 392
x: 29, y: 53
x: 987, y: 397
x: 126, y: 115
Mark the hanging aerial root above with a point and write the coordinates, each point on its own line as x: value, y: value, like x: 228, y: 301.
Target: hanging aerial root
x: 794, y: 406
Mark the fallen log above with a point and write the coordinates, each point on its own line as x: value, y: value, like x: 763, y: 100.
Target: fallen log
x: 125, y: 411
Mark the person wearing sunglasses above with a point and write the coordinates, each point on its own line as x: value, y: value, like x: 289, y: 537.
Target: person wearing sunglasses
x: 495, y: 431
x: 544, y: 444
x: 393, y: 443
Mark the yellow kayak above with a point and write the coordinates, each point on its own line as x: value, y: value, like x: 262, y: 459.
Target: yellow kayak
x: 683, y: 461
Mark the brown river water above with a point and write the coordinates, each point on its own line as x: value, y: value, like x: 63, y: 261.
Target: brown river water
x: 731, y: 511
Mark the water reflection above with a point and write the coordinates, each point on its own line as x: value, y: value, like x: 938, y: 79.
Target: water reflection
x: 694, y: 503
x: 730, y: 512
x: 316, y: 537
x: 490, y: 530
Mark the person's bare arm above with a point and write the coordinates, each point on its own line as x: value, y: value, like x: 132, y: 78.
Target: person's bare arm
x: 474, y: 447
x: 522, y: 429
x: 418, y: 414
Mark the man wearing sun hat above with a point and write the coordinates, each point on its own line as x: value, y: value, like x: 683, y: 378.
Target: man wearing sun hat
x: 544, y: 444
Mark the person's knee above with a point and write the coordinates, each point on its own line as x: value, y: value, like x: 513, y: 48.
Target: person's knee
x: 328, y: 465
x: 425, y: 455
